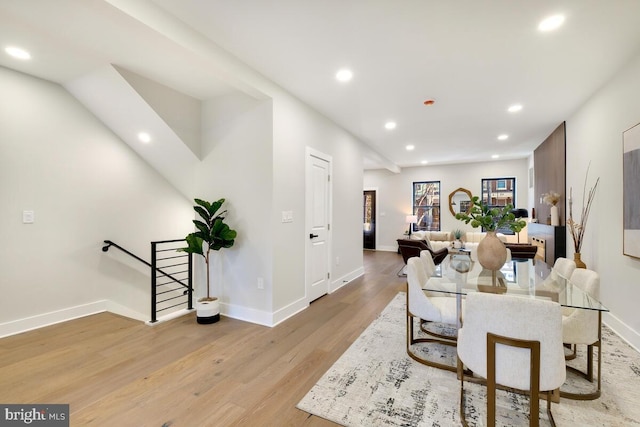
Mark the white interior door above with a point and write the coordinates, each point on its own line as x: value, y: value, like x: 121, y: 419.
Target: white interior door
x: 318, y: 198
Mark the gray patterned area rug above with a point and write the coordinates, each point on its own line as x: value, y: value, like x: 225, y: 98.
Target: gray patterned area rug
x: 375, y: 383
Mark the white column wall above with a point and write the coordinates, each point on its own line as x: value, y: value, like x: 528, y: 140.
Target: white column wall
x: 395, y: 192
x: 238, y: 166
x: 296, y: 127
x: 85, y: 185
x: 594, y: 135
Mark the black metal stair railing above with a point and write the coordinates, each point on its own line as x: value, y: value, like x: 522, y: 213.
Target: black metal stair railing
x: 171, y: 275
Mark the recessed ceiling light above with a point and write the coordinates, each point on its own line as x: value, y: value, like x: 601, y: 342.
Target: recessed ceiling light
x: 410, y: 147
x: 17, y: 52
x: 551, y: 23
x: 390, y: 125
x: 344, y: 75
x: 495, y: 156
x: 515, y: 108
x: 424, y: 162
x: 503, y: 137
x: 144, y: 137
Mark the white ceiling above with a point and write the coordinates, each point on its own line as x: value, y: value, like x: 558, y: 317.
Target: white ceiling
x: 475, y: 58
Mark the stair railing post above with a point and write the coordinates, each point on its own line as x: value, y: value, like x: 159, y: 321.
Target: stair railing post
x: 153, y: 282
x: 190, y: 282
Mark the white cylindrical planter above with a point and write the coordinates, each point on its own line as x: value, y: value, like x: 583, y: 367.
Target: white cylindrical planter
x: 555, y: 219
x: 208, y: 311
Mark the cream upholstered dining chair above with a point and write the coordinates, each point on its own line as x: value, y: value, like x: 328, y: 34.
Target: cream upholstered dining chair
x: 446, y: 289
x: 561, y: 270
x: 580, y: 326
x: 497, y: 342
x: 424, y: 308
x: 427, y: 262
x: 563, y: 267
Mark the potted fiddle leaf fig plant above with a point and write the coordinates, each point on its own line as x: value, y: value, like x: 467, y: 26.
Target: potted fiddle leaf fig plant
x: 492, y: 253
x: 212, y: 235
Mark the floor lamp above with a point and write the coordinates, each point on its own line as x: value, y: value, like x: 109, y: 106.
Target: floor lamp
x: 411, y: 219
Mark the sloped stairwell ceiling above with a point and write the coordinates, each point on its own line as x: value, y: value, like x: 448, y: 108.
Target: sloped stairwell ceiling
x: 181, y: 112
x: 126, y: 106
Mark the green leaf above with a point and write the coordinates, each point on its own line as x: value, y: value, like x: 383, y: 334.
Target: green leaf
x: 213, y: 208
x: 203, y: 203
x: 194, y: 243
x: 204, y: 228
x: 204, y: 214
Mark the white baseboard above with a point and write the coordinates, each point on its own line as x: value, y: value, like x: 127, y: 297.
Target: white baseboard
x: 170, y: 316
x: 46, y: 319
x: 344, y: 280
x: 623, y: 330
x: 290, y: 310
x: 388, y: 248
x: 125, y: 311
x: 246, y: 314
x: 279, y: 316
x: 237, y: 312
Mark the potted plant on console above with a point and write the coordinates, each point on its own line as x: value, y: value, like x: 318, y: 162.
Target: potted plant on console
x: 212, y: 235
x: 492, y: 253
x: 457, y: 236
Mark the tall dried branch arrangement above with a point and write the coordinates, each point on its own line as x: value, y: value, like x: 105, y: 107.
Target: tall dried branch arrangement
x: 578, y: 227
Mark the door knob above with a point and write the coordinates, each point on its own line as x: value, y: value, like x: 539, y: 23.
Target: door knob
x: 311, y: 236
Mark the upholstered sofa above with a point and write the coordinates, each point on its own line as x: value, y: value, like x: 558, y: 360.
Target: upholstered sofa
x: 444, y: 239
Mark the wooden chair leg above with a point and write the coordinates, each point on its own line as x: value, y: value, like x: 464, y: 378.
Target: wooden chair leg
x: 534, y: 380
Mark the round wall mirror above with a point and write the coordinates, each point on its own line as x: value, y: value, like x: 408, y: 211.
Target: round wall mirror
x: 460, y: 201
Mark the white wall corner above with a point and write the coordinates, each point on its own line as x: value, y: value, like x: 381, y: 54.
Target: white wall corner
x: 288, y: 311
x: 345, y: 279
x: 246, y: 314
x: 46, y: 319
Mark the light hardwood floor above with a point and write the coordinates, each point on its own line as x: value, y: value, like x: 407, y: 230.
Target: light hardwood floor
x: 114, y: 371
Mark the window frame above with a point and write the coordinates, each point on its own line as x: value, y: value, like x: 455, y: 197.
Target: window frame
x: 488, y: 200
x: 435, y: 223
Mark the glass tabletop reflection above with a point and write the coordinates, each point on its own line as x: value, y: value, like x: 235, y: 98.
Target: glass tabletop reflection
x: 458, y: 274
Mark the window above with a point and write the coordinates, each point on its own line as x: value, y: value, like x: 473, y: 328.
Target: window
x: 426, y: 205
x: 499, y: 191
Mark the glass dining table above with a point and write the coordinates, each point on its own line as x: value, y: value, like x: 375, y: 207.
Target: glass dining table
x: 459, y: 275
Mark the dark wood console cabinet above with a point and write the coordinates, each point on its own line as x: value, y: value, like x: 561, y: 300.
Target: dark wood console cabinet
x: 551, y: 239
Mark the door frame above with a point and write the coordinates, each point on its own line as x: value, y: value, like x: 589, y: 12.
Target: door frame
x: 309, y: 153
x: 375, y: 189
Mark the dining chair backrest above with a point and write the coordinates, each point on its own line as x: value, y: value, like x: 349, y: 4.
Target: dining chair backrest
x: 427, y: 262
x: 582, y: 326
x: 587, y: 280
x: 563, y: 267
x: 418, y: 302
x: 514, y: 317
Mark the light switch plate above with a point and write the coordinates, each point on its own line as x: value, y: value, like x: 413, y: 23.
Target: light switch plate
x: 287, y: 216
x: 28, y: 217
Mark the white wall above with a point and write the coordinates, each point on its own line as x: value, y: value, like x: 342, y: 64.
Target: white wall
x: 594, y: 134
x: 238, y: 166
x: 296, y: 127
x: 395, y: 192
x: 85, y: 185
